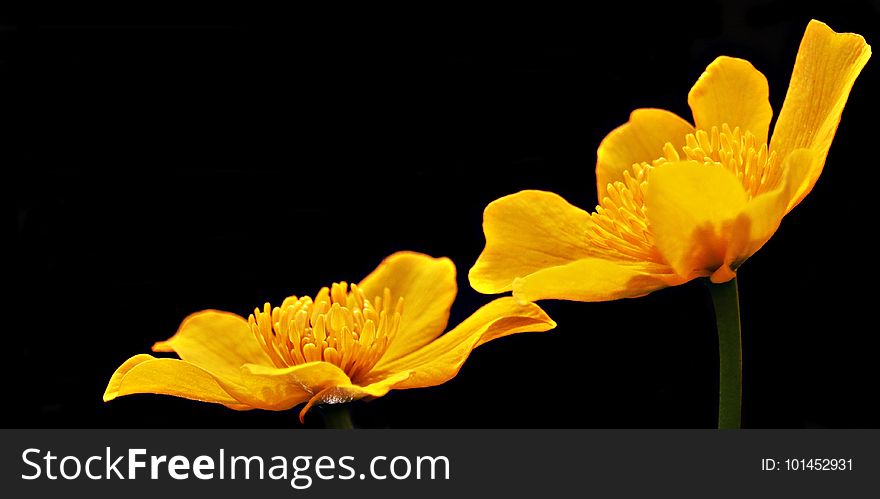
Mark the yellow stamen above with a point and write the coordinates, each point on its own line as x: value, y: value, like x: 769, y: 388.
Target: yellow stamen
x: 619, y: 226
x: 340, y: 326
x: 752, y: 163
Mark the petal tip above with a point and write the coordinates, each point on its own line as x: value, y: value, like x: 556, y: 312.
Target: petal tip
x: 482, y: 285
x: 115, y: 383
x: 817, y: 24
x: 816, y: 27
x: 722, y: 275
x: 162, y: 346
x: 404, y: 254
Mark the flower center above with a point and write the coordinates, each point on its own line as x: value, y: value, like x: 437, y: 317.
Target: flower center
x: 752, y: 163
x: 340, y: 326
x: 619, y: 226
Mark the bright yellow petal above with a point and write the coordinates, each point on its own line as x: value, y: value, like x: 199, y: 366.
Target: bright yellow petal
x: 641, y: 139
x: 732, y: 91
x: 691, y: 207
x: 218, y: 342
x: 826, y: 67
x: 594, y: 279
x: 428, y: 287
x: 440, y: 361
x: 763, y: 214
x: 347, y: 393
x: 279, y: 389
x: 526, y: 232
x: 147, y: 374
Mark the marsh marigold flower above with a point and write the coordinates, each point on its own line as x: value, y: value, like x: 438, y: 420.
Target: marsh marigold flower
x: 346, y: 343
x: 679, y: 201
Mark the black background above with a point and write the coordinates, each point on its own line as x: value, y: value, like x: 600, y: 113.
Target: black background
x: 159, y: 163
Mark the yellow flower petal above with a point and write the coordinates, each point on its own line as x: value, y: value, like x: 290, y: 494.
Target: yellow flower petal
x: 218, y: 342
x: 147, y: 374
x: 594, y: 279
x: 347, y: 393
x: 732, y: 91
x: 691, y: 207
x: 526, y: 232
x: 279, y: 389
x: 428, y: 287
x: 763, y: 214
x: 826, y: 67
x: 641, y: 139
x: 441, y: 360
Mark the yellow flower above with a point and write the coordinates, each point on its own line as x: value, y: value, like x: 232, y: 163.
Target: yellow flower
x: 679, y: 201
x: 345, y: 344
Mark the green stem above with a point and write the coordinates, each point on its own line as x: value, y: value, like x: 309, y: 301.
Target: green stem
x: 725, y: 297
x: 337, y: 416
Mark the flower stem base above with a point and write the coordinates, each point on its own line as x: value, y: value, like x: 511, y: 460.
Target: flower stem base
x: 337, y: 416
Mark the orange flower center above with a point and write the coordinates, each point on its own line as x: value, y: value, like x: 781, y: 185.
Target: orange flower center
x: 340, y: 326
x: 619, y: 226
